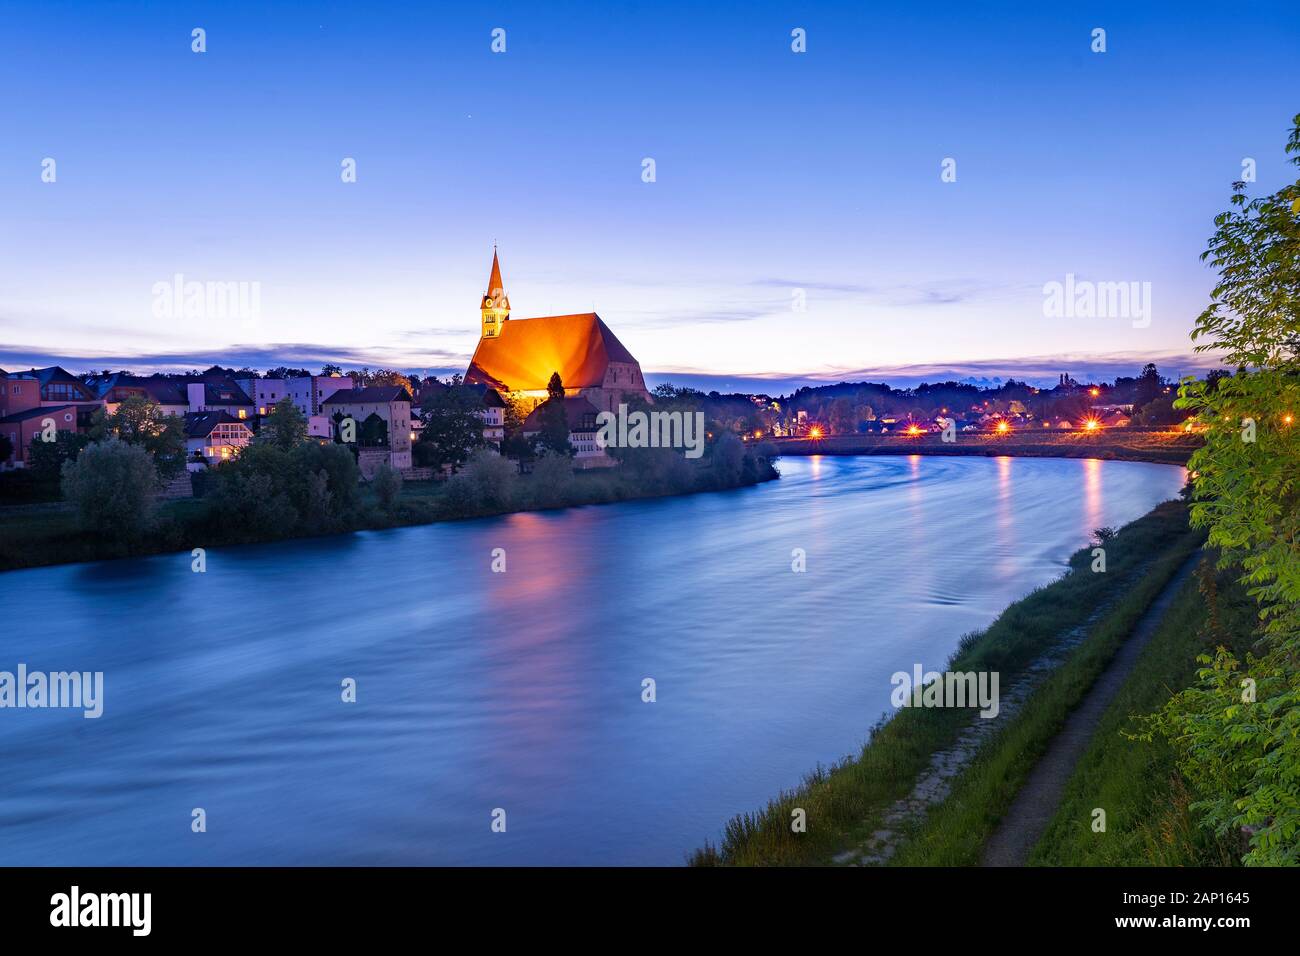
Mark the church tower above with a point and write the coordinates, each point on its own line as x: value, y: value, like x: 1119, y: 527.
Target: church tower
x: 496, y: 304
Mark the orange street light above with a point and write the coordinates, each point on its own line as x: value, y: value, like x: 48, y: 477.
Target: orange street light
x: 1095, y: 392
x: 815, y: 432
x: 1091, y: 425
x: 1004, y: 427
x: 913, y: 429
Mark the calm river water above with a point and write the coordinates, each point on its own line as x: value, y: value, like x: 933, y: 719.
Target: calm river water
x: 518, y: 690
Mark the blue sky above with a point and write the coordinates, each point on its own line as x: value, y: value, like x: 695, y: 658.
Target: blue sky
x: 775, y: 171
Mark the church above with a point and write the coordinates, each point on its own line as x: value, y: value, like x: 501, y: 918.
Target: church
x: 517, y: 356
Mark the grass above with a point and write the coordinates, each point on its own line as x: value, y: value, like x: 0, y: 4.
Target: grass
x: 1148, y: 822
x: 954, y: 833
x: 845, y: 802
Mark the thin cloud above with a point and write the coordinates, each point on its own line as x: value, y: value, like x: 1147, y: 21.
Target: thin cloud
x: 236, y: 356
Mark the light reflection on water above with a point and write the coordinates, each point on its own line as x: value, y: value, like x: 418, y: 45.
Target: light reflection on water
x: 519, y: 690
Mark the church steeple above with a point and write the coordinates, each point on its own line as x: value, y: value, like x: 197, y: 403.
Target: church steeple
x: 496, y: 304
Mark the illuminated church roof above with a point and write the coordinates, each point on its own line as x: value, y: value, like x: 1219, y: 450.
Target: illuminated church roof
x: 526, y: 351
x: 521, y: 355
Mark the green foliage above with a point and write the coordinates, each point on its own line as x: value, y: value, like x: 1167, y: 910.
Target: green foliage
x: 45, y: 459
x: 284, y: 427
x: 554, y: 434
x: 1159, y: 411
x: 453, y: 426
x: 6, y: 449
x: 492, y: 477
x: 1148, y: 803
x: 140, y: 421
x: 387, y: 484
x: 1244, y: 758
x: 551, y: 482
x: 270, y: 491
x: 112, y: 484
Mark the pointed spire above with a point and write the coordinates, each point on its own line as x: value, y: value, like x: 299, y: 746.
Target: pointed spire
x: 495, y: 287
x: 496, y: 304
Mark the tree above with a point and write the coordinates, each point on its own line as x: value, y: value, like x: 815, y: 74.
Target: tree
x: 514, y: 444
x: 112, y: 486
x: 1148, y: 386
x: 453, y: 426
x: 285, y: 426
x: 45, y: 459
x: 554, y: 433
x: 372, y: 432
x: 385, y: 376
x: 330, y: 370
x: 139, y: 420
x: 840, y: 416
x: 1159, y: 411
x: 271, y: 491
x: 1244, y: 756
x: 6, y: 449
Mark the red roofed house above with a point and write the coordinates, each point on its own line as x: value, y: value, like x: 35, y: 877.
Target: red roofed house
x: 518, y: 356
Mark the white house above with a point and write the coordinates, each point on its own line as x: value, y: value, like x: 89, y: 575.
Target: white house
x: 214, y: 436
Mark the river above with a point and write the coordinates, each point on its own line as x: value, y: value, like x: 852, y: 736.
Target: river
x: 520, y: 691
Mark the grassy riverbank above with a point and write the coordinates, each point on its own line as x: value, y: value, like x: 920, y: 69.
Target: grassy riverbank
x: 844, y: 804
x: 35, y: 535
x: 1164, y: 446
x: 954, y: 833
x: 1146, y: 799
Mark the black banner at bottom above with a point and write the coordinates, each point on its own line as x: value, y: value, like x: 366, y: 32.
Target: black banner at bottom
x: 334, y: 905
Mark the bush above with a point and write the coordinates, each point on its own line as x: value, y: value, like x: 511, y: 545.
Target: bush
x: 551, y: 482
x: 341, y: 479
x: 728, y: 458
x: 388, y: 486
x: 270, y: 491
x: 492, y: 477
x: 460, y: 497
x: 112, y: 486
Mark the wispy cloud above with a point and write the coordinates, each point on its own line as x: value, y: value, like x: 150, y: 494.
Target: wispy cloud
x: 238, y: 356
x: 936, y: 292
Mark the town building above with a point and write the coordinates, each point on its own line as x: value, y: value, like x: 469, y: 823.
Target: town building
x: 518, y: 356
x: 308, y: 392
x: 22, y: 428
x: 581, y: 416
x: 48, y: 387
x: 214, y: 437
x: 381, y: 415
x: 493, y: 414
